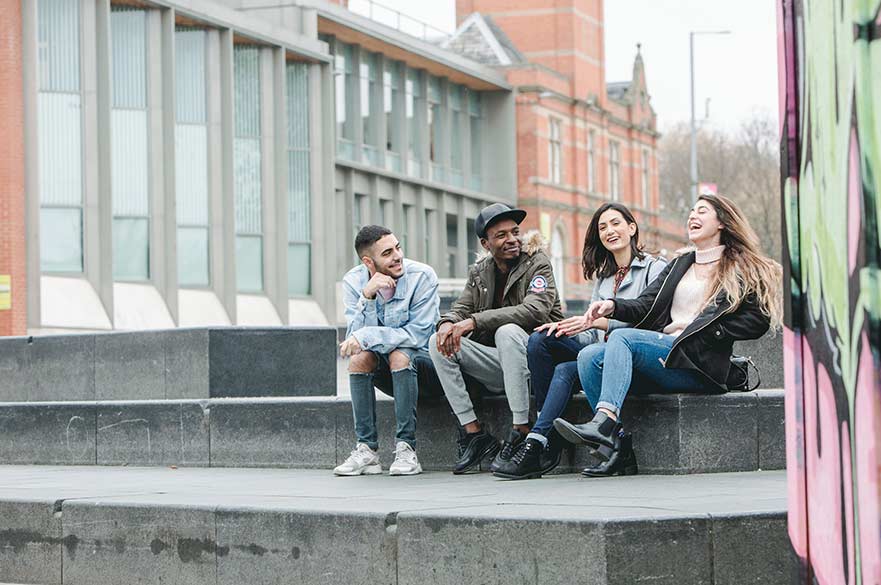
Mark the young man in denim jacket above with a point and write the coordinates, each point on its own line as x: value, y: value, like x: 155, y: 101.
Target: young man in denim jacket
x: 391, y: 309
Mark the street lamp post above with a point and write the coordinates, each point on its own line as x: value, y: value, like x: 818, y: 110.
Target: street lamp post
x: 693, y: 122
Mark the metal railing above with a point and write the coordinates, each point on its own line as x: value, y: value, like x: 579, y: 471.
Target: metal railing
x: 398, y: 20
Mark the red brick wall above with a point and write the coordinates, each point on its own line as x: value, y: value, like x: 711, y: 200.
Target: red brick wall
x: 12, y: 196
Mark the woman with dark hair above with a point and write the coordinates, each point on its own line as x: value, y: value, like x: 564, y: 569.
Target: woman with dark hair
x: 613, y: 257
x: 687, y: 321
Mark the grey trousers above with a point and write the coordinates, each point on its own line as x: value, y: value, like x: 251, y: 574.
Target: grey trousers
x: 501, y: 369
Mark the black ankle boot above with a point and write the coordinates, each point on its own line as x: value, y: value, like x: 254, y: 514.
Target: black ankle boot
x: 622, y: 461
x: 474, y: 448
x: 509, y: 447
x: 601, y: 431
x: 524, y: 464
x: 550, y: 457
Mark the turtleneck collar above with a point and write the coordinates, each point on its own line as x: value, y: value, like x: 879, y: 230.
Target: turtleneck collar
x: 709, y: 255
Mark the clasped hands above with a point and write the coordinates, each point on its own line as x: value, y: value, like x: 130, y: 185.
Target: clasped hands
x: 449, y: 336
x: 592, y: 318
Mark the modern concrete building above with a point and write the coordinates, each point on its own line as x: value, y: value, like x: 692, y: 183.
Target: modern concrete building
x: 581, y: 141
x: 207, y: 162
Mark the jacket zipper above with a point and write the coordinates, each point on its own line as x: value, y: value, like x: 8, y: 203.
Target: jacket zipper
x: 663, y: 284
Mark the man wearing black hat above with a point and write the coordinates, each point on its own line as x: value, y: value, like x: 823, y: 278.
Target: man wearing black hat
x: 509, y: 293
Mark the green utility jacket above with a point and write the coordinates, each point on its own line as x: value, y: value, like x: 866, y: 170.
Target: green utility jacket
x: 530, y: 297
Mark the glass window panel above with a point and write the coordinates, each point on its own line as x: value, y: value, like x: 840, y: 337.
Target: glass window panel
x: 476, y: 146
x: 249, y: 264
x: 131, y: 256
x: 129, y: 162
x: 128, y: 46
x: 191, y: 174
x: 429, y: 232
x: 58, y: 45
x: 299, y: 269
x: 456, y: 140
x: 61, y: 240
x: 190, y: 85
x: 452, y: 243
x: 473, y: 242
x: 248, y: 186
x: 60, y: 148
x: 192, y: 256
x: 247, y: 90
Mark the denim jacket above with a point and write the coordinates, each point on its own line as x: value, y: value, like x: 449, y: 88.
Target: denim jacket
x: 405, y: 320
x: 641, y: 274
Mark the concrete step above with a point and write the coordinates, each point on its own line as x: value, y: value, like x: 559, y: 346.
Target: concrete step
x: 170, y: 364
x: 677, y: 434
x: 94, y: 525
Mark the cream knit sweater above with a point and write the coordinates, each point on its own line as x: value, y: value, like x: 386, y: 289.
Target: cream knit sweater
x: 691, y: 293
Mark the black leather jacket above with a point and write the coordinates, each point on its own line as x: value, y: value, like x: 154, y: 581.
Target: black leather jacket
x: 706, y: 344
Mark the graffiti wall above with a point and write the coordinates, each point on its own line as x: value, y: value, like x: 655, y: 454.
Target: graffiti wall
x: 830, y: 104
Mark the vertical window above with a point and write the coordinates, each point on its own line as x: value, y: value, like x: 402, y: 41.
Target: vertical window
x: 191, y: 157
x: 555, y: 151
x: 473, y: 241
x: 299, y: 208
x: 435, y: 127
x: 412, y: 105
x: 456, y: 146
x: 59, y: 132
x: 429, y: 233
x: 591, y: 162
x: 406, y: 223
x: 452, y: 243
x: 129, y: 174
x: 614, y: 171
x: 247, y: 168
x: 645, y: 178
x: 369, y: 108
x: 474, y: 110
x: 385, y: 213
x: 342, y: 76
x: 391, y: 90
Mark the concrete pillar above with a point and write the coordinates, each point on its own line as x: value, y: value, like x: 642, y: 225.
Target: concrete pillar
x: 226, y: 209
x: 13, y: 275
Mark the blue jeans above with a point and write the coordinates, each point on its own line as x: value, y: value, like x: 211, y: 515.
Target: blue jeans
x: 406, y: 392
x: 554, y: 375
x: 634, y: 359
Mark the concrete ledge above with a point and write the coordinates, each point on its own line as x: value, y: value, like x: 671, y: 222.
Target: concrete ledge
x: 169, y: 364
x: 102, y: 525
x: 673, y: 434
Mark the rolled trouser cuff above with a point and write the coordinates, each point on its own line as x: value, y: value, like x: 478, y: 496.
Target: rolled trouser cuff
x: 609, y: 406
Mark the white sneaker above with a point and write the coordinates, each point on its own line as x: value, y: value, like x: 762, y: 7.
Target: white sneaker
x: 362, y: 461
x: 406, y: 462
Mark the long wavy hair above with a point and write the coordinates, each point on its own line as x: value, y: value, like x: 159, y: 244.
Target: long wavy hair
x: 596, y: 259
x: 744, y: 270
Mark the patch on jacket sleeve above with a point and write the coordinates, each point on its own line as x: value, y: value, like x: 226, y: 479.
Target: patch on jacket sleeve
x: 538, y: 284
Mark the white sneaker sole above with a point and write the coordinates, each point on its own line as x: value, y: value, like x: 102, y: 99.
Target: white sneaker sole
x: 415, y: 471
x: 368, y: 470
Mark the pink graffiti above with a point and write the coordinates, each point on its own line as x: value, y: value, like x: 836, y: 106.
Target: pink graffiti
x: 867, y: 430
x: 829, y: 486
x: 795, y: 461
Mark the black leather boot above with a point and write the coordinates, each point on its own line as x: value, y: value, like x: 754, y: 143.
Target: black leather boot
x: 474, y: 448
x: 509, y: 447
x: 524, y: 464
x: 601, y: 431
x: 621, y: 461
x: 550, y: 457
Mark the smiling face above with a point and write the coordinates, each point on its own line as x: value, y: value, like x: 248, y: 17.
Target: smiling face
x: 615, y: 232
x: 704, y: 227
x: 386, y: 257
x: 503, y: 240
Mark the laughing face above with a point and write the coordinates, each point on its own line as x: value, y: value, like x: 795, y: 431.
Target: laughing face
x: 615, y: 232
x: 704, y: 227
x: 387, y: 257
x: 503, y: 240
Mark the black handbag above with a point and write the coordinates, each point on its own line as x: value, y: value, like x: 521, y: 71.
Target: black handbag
x: 738, y: 374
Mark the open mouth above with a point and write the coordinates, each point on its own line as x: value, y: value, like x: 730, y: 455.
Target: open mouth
x: 613, y: 240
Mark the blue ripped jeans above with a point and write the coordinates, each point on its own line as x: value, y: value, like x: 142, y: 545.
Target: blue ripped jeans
x: 633, y: 360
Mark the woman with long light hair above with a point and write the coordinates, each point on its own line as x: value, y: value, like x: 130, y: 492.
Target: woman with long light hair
x: 687, y: 321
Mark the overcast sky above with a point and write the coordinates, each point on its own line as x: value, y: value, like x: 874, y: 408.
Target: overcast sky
x: 738, y: 72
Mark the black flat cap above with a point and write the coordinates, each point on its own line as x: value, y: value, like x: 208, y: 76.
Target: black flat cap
x: 493, y: 213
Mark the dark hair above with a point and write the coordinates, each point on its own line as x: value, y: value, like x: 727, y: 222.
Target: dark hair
x: 596, y: 260
x: 369, y: 235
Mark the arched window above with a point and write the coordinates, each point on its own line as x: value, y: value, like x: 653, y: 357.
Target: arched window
x: 558, y: 247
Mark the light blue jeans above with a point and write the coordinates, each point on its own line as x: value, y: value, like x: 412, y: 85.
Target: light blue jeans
x: 630, y: 361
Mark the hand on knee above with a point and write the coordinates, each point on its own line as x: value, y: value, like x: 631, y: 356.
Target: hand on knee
x: 398, y: 360
x: 362, y: 363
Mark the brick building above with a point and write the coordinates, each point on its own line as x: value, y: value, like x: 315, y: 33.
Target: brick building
x: 581, y: 140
